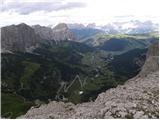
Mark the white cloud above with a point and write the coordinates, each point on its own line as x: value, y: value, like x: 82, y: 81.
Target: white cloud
x: 30, y: 7
x: 79, y: 11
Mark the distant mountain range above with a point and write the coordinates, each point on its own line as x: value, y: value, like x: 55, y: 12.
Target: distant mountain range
x: 129, y: 27
x: 33, y: 35
x: 23, y: 37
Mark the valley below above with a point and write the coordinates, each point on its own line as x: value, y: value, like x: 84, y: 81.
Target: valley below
x: 138, y: 98
x: 63, y: 72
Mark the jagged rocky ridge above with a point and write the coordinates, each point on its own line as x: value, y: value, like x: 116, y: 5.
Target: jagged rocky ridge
x: 58, y: 33
x: 25, y: 38
x: 137, y: 98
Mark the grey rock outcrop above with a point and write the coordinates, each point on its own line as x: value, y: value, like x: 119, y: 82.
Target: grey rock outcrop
x: 137, y: 98
x: 58, y: 33
x: 46, y: 33
x: 152, y: 62
x: 61, y: 32
x: 18, y: 38
x: 25, y: 38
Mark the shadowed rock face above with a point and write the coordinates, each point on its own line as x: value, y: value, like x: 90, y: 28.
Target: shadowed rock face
x: 18, y: 38
x: 137, y: 98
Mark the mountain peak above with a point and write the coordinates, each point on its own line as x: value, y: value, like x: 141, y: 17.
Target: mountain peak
x: 22, y: 24
x: 61, y: 26
x: 61, y: 32
x: 91, y: 25
x: 19, y: 37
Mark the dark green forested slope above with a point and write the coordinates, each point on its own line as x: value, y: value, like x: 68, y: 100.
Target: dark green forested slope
x: 66, y: 71
x: 52, y: 71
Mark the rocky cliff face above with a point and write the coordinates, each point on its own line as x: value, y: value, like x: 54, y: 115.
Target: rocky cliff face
x: 18, y: 38
x: 152, y: 62
x: 137, y: 98
x: 58, y: 33
x: 45, y: 33
x: 62, y: 32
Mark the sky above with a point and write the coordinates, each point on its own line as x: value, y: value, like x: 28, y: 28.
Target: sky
x: 101, y: 12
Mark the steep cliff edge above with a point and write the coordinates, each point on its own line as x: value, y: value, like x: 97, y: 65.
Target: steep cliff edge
x: 18, y: 38
x: 137, y: 98
x: 152, y: 62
